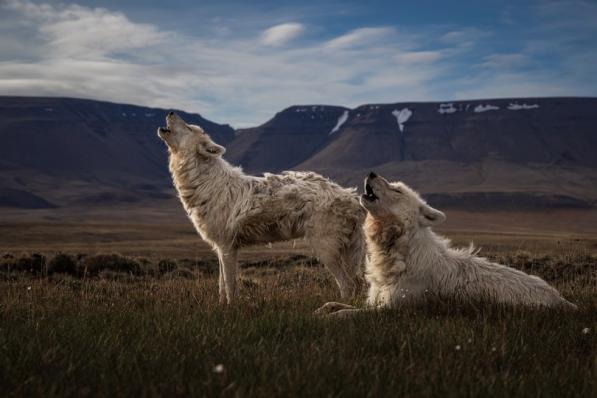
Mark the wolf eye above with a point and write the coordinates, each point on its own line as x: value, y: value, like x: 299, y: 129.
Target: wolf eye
x: 397, y: 190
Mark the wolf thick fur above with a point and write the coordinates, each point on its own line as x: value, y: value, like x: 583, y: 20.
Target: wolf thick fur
x: 407, y: 262
x: 231, y: 210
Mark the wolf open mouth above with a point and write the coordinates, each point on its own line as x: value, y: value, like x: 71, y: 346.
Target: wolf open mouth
x: 369, y: 195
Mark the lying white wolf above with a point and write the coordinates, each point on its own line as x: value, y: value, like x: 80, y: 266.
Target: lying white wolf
x: 231, y: 210
x: 408, y: 262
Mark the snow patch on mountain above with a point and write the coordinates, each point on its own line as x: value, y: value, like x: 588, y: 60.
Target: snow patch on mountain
x: 485, y: 108
x: 515, y: 106
x: 446, y: 108
x: 341, y: 120
x: 402, y: 117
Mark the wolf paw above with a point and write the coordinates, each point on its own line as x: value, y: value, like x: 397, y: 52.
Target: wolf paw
x: 331, y: 307
x: 343, y: 314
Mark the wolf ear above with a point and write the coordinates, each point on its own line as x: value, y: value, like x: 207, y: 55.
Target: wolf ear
x: 428, y: 216
x: 213, y: 149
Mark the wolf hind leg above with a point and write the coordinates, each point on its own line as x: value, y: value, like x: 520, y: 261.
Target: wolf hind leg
x: 333, y: 262
x: 330, y: 245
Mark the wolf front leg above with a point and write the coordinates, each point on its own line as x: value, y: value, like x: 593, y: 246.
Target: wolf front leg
x: 221, y: 284
x: 228, y: 269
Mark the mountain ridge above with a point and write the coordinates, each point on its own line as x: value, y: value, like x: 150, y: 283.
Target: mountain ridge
x: 531, y: 152
x: 68, y: 151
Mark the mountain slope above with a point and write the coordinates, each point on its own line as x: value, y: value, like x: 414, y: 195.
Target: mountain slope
x: 286, y: 140
x: 524, y: 151
x: 519, y: 131
x: 69, y: 150
x: 504, y: 153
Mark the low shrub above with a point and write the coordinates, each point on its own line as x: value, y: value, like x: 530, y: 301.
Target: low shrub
x: 31, y: 263
x: 165, y: 266
x: 62, y: 263
x: 93, y: 265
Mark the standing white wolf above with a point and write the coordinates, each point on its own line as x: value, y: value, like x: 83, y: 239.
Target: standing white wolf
x: 231, y: 210
x: 408, y: 262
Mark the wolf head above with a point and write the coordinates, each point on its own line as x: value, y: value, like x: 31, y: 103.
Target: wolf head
x: 182, y: 137
x: 397, y: 202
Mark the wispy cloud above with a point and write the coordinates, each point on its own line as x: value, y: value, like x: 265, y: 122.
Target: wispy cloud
x: 30, y: 9
x: 97, y: 53
x: 512, y: 84
x: 281, y: 34
x: 568, y: 15
x: 87, y: 32
x: 242, y: 73
x: 464, y: 36
x: 504, y: 61
x: 362, y: 36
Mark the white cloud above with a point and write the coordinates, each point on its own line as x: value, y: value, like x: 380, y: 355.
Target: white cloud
x: 97, y: 53
x: 30, y: 9
x: 243, y: 77
x: 360, y: 37
x: 465, y: 37
x: 281, y: 34
x: 86, y: 32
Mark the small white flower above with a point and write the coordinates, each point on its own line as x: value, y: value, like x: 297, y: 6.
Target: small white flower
x: 404, y: 295
x: 457, y: 348
x: 586, y: 331
x: 493, y: 349
x: 470, y: 341
x: 28, y: 287
x: 219, y: 368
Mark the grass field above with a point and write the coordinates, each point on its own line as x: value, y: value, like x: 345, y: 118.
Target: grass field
x: 149, y: 324
x: 157, y: 329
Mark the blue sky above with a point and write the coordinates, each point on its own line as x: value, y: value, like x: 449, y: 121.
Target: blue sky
x: 240, y: 62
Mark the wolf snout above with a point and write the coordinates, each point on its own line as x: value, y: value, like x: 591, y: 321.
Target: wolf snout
x: 172, y: 118
x: 369, y: 194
